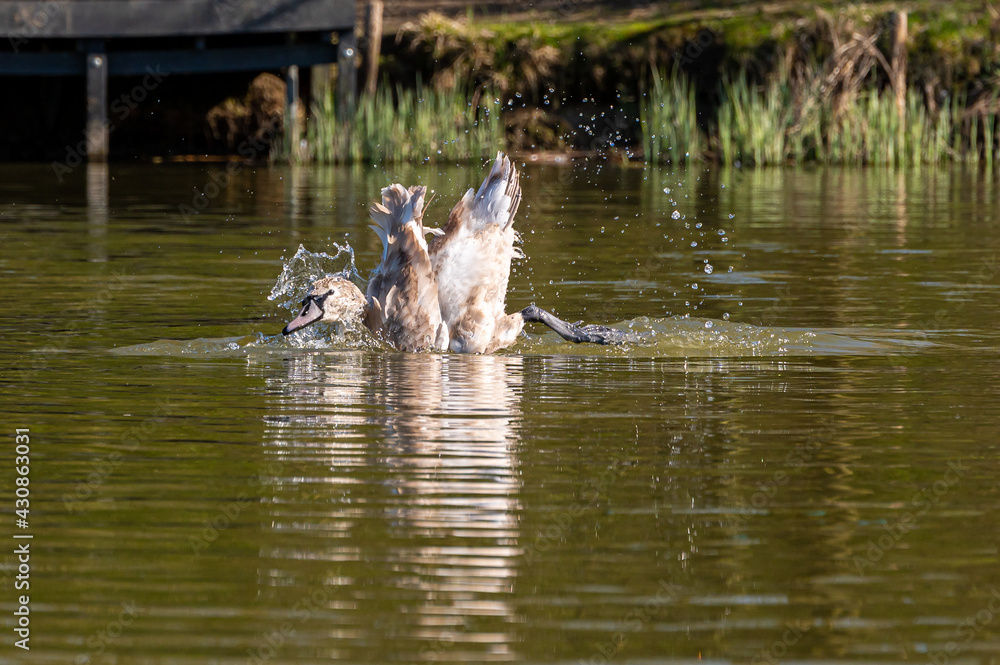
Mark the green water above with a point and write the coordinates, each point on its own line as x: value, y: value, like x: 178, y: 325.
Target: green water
x: 798, y: 462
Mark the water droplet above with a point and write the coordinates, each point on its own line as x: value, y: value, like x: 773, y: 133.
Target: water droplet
x: 666, y: 190
x: 725, y: 317
x: 602, y: 229
x: 675, y: 214
x: 731, y: 216
x: 694, y: 243
x: 708, y: 268
x: 709, y: 324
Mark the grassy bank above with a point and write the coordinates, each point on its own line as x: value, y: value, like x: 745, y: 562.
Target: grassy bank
x: 783, y: 83
x: 417, y: 124
x: 766, y: 125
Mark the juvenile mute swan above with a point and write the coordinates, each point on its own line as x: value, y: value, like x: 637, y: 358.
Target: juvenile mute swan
x: 447, y: 294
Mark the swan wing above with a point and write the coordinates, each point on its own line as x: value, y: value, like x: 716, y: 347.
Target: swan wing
x: 403, y: 294
x: 471, y: 259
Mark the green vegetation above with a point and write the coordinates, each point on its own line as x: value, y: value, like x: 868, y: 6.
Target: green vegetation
x: 416, y: 125
x: 788, y: 83
x: 752, y: 124
x: 670, y: 120
x: 759, y: 126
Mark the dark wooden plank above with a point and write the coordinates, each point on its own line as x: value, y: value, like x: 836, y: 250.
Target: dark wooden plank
x: 42, y: 64
x: 245, y: 59
x: 108, y: 19
x: 134, y: 63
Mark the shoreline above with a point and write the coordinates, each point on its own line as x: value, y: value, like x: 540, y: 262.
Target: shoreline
x: 778, y: 83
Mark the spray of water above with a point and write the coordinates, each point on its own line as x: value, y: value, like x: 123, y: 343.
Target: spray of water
x: 305, y: 267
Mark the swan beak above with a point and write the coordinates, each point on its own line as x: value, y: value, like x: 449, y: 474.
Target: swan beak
x: 311, y: 313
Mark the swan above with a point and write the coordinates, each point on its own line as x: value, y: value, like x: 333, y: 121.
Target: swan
x: 448, y: 294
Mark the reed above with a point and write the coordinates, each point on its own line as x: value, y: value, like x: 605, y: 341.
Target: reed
x: 772, y: 124
x: 415, y: 125
x: 669, y: 120
x: 872, y: 132
x: 752, y: 124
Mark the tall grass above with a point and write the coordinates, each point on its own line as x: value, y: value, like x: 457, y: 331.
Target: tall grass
x: 669, y: 120
x: 415, y: 125
x: 762, y: 125
x: 872, y: 131
x: 752, y: 125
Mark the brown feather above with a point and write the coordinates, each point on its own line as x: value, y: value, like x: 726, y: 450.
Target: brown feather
x: 404, y: 306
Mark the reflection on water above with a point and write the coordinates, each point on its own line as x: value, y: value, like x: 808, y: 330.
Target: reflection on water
x: 446, y: 456
x: 797, y: 464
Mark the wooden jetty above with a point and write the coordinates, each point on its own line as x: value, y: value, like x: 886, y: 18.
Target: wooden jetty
x: 97, y: 39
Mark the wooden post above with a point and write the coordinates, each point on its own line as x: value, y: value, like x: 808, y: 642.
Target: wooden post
x: 293, y: 130
x: 320, y: 77
x: 899, y: 39
x: 97, y: 105
x: 373, y: 35
x: 97, y: 210
x: 347, y: 75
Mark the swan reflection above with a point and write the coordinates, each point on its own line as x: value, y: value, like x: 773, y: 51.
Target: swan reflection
x: 410, y: 463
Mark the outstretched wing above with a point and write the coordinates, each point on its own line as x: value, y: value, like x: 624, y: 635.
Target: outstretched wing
x: 471, y: 260
x: 403, y: 294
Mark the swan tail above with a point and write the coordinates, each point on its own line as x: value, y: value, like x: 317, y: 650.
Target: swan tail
x: 399, y: 207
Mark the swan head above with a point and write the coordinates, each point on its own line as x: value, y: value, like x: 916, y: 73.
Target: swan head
x: 331, y: 300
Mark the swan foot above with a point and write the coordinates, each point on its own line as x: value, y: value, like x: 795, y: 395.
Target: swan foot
x: 590, y: 334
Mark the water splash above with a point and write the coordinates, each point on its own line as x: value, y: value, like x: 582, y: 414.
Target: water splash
x: 674, y: 337
x: 678, y: 337
x: 305, y: 267
x: 693, y: 337
x: 295, y: 281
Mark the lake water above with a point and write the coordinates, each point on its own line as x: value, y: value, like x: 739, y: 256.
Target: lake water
x: 798, y: 462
